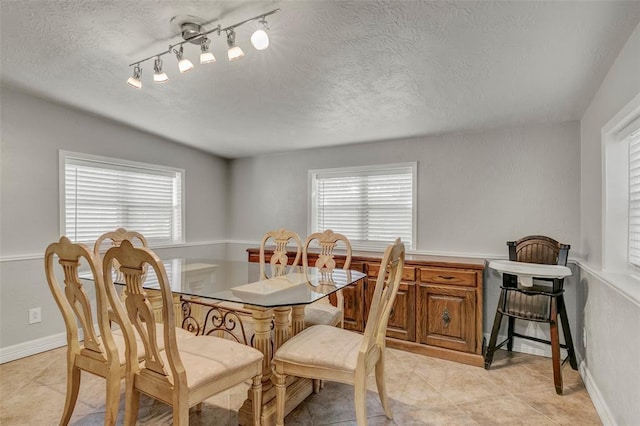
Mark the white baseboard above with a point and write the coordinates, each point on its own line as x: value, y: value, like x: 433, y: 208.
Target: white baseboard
x: 596, y: 396
x: 32, y: 347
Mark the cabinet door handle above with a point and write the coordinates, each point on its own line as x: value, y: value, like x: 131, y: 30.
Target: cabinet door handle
x: 447, y: 277
x: 446, y: 318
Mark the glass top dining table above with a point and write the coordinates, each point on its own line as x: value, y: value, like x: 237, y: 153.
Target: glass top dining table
x: 276, y: 306
x: 240, y: 282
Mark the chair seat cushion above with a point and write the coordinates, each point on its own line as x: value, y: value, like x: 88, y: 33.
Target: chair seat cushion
x: 119, y: 339
x: 322, y: 313
x: 208, y: 358
x: 322, y: 346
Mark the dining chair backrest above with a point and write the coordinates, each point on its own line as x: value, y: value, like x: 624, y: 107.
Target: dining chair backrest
x: 327, y: 241
x: 279, y: 258
x: 115, y: 238
x: 384, y: 295
x: 133, y: 262
x: 322, y: 311
x: 73, y: 301
x: 97, y: 352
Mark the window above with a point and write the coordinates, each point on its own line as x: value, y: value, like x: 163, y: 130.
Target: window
x: 634, y: 198
x: 100, y: 194
x: 372, y: 206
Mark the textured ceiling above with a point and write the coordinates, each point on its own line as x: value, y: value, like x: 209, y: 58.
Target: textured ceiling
x: 336, y: 71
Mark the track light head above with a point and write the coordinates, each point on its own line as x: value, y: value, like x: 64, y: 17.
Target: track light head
x: 234, y: 52
x: 260, y: 38
x: 206, y: 56
x: 134, y: 81
x: 159, y: 76
x: 184, y: 65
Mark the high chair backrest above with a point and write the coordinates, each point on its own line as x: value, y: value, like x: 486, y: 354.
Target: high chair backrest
x: 538, y: 249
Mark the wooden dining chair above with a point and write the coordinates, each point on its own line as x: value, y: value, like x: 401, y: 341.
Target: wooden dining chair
x: 334, y: 354
x: 322, y: 311
x: 187, y: 371
x: 98, y: 352
x: 280, y: 257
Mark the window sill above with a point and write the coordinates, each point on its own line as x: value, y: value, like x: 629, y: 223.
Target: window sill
x: 627, y: 284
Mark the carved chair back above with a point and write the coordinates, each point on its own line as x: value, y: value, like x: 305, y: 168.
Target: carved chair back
x: 279, y: 259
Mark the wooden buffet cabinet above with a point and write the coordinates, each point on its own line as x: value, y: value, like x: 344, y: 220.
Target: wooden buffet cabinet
x: 438, y: 308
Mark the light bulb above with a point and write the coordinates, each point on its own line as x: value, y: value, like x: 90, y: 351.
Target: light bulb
x: 260, y: 40
x: 207, y: 57
x: 134, y: 82
x: 160, y: 77
x: 235, y: 52
x: 185, y: 65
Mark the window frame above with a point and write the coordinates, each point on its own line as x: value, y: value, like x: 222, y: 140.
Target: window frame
x: 355, y: 170
x: 125, y: 164
x: 615, y: 137
x: 632, y: 139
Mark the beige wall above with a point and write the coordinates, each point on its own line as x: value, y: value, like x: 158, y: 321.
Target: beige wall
x: 32, y: 133
x: 475, y: 190
x: 611, y: 320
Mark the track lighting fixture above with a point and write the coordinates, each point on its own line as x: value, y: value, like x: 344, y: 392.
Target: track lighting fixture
x: 206, y: 57
x: 159, y: 76
x: 234, y: 52
x: 134, y: 81
x: 260, y: 39
x: 184, y: 65
x: 195, y: 34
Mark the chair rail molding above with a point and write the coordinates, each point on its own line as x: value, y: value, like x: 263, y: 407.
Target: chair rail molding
x: 35, y: 256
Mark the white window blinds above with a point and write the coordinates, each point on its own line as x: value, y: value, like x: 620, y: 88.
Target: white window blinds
x: 102, y: 194
x: 634, y: 199
x: 371, y: 206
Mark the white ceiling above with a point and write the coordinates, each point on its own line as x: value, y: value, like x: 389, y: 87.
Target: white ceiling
x: 336, y: 71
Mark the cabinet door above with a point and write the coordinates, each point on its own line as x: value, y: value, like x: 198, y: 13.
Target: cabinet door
x: 354, y: 306
x: 402, y: 319
x: 353, y: 297
x: 447, y: 316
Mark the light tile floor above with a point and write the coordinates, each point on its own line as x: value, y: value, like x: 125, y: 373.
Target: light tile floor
x: 518, y: 390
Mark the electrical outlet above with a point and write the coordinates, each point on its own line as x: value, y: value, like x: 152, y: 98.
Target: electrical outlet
x: 35, y: 315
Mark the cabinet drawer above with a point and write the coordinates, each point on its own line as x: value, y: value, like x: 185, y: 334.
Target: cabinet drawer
x: 355, y: 266
x: 408, y: 272
x: 448, y: 276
